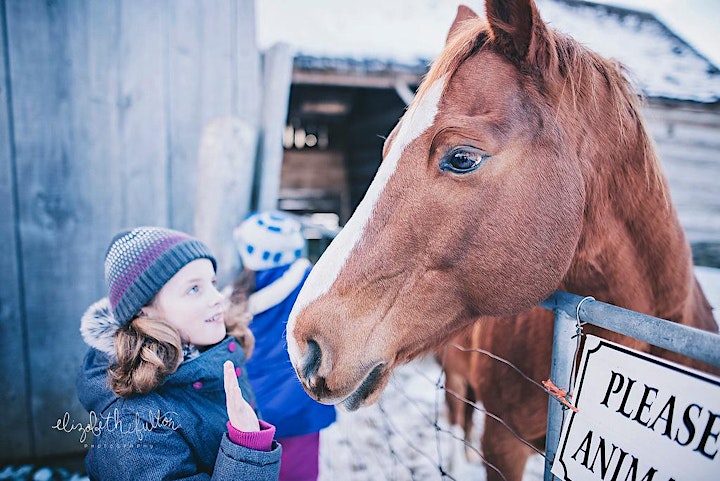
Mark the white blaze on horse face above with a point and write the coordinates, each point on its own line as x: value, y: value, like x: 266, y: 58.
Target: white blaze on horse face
x: 419, y: 117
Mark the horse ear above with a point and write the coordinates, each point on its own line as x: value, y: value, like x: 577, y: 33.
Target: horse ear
x: 463, y: 13
x: 513, y: 24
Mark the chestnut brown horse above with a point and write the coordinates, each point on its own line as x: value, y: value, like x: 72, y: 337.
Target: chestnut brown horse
x: 522, y: 166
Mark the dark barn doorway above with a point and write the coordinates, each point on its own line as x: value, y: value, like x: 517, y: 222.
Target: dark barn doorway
x: 339, y: 114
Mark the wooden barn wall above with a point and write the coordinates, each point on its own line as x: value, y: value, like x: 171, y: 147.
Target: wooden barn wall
x: 316, y: 174
x: 687, y: 137
x: 15, y: 440
x: 102, y: 105
x: 311, y: 170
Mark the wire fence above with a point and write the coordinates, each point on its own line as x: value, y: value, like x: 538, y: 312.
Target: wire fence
x: 407, y: 434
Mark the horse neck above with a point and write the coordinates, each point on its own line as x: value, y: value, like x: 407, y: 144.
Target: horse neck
x: 633, y: 251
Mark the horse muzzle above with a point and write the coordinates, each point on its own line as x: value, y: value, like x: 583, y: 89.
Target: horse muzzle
x: 318, y: 377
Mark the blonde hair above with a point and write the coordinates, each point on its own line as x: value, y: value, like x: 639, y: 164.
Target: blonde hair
x: 148, y: 350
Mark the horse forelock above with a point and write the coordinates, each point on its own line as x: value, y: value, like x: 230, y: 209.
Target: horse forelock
x: 470, y: 36
x: 566, y: 69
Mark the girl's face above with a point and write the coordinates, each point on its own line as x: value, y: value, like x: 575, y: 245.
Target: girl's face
x: 191, y: 302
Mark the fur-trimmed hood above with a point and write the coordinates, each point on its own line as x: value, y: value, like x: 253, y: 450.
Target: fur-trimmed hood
x: 175, y: 430
x: 98, y: 327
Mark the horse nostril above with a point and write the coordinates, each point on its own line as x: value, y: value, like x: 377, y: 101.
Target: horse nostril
x: 319, y: 388
x: 312, y: 359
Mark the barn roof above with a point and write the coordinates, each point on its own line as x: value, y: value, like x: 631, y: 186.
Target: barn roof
x: 377, y: 38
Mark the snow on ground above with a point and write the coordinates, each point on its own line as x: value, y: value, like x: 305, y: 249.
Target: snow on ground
x: 397, y: 439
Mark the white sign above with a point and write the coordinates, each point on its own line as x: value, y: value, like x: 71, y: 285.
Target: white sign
x: 640, y: 418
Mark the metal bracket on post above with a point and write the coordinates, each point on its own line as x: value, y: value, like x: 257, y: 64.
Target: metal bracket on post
x: 685, y: 340
x: 564, y: 347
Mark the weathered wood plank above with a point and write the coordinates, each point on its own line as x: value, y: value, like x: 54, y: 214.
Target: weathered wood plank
x: 91, y: 151
x: 227, y: 153
x: 51, y: 213
x: 692, y: 173
x: 698, y: 114
x: 200, y: 88
x: 143, y: 112
x: 277, y: 78
x: 13, y: 366
x: 247, y: 88
x: 314, y: 169
x: 687, y: 138
x: 214, y: 74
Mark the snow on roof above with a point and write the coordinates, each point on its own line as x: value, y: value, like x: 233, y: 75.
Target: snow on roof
x: 412, y: 32
x: 661, y: 63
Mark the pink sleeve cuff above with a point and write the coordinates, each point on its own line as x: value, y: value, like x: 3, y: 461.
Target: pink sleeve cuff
x: 259, y: 440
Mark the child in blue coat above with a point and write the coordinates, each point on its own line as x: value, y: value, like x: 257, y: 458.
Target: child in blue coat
x: 271, y: 248
x: 165, y: 386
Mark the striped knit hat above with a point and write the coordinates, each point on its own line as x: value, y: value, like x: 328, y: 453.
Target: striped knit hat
x: 140, y: 261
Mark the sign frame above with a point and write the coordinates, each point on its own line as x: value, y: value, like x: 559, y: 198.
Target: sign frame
x: 598, y: 350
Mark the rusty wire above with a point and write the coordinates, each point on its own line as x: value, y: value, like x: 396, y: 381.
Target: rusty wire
x: 391, y: 429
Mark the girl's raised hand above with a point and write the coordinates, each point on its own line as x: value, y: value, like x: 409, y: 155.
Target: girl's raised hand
x: 241, y: 415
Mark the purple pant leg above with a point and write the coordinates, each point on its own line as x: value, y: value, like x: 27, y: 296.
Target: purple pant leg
x: 300, y: 455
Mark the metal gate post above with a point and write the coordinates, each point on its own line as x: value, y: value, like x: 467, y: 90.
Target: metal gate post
x: 560, y: 370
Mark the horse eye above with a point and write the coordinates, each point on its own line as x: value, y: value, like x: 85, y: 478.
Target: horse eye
x: 462, y: 161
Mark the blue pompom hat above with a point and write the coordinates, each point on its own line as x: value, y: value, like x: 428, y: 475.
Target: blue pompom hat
x: 269, y: 239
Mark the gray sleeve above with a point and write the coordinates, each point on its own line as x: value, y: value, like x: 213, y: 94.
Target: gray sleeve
x: 243, y: 464
x: 166, y: 454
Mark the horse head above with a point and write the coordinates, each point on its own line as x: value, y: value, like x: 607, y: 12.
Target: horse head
x: 477, y: 208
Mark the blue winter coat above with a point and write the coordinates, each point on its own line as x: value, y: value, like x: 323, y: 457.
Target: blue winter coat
x: 177, y: 431
x: 280, y: 396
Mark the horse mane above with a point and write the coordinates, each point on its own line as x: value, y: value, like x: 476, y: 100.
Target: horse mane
x: 576, y: 62
x: 569, y: 63
x: 470, y: 36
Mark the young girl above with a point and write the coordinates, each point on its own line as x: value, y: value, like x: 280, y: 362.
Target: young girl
x: 271, y: 249
x: 165, y: 387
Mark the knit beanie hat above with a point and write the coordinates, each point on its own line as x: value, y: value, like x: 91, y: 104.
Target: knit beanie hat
x: 140, y: 261
x: 269, y: 239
